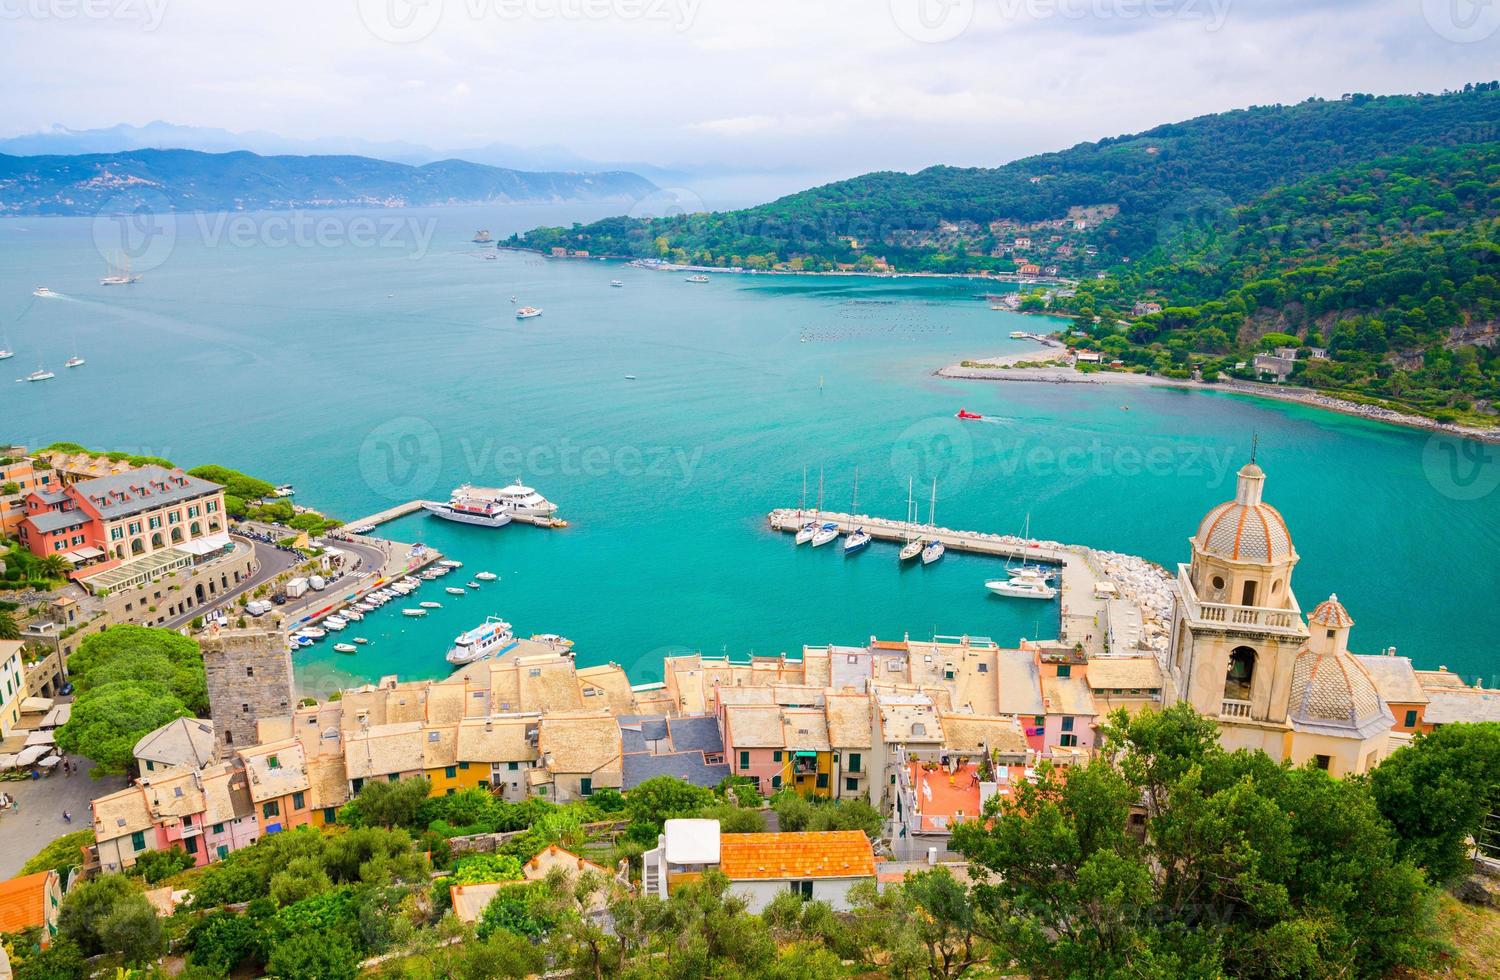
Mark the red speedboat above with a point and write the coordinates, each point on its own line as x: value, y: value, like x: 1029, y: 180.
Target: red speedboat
x: 965, y: 414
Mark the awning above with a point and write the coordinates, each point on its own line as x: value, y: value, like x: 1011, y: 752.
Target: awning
x: 50, y: 761
x: 803, y: 754
x: 83, y: 554
x: 31, y: 754
x: 29, y: 705
x: 199, y: 547
x: 8, y: 761
x: 41, y: 738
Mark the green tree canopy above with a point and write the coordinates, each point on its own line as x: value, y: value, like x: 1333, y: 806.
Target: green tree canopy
x: 108, y: 720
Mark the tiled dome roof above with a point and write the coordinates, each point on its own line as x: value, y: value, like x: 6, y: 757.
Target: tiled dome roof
x: 1331, y: 614
x: 1245, y: 529
x: 1332, y: 693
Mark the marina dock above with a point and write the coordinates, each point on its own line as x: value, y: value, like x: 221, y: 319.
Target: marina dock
x: 366, y: 524
x: 1098, y: 609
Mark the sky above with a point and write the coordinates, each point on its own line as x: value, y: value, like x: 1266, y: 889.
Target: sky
x: 818, y: 87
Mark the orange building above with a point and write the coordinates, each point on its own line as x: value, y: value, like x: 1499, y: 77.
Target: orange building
x: 31, y: 903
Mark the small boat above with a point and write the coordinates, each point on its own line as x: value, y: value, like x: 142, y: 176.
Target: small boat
x: 629, y: 377
x: 856, y: 541
x: 698, y: 279
x: 451, y: 590
x: 559, y: 643
x: 431, y: 575
x: 414, y: 612
x: 42, y: 291
x: 6, y: 352
x: 352, y: 614
x: 616, y: 283
x: 312, y: 633
x: 486, y: 576
x: 40, y: 374
x: 968, y: 415
x: 429, y: 604
x: 1022, y: 587
x: 826, y: 532
x: 451, y: 563
x: 344, y: 648
x: 528, y: 312
x: 285, y: 490
x: 74, y: 361
x: 911, y: 549
x: 473, y: 585
x: 302, y: 641
x: 805, y: 532
x: 335, y: 623
x: 932, y: 552
x: 361, y: 640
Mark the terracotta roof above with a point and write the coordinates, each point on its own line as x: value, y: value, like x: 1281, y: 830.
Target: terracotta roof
x: 1332, y: 694
x: 548, y: 683
x: 554, y: 857
x: 1245, y: 529
x: 328, y: 783
x: 1067, y: 696
x: 440, y: 747
x: 182, y: 742
x: 849, y: 721
x: 288, y: 775
x: 495, y: 740
x: 580, y: 743
x: 1394, y: 678
x: 753, y: 727
x: 445, y: 703
x: 120, y: 813
x: 1109, y: 673
x: 806, y: 729
x: 970, y: 733
x: 612, y: 687
x: 174, y: 793
x: 23, y: 901
x: 1330, y: 613
x: 1454, y: 704
x: 384, y: 750
x: 827, y: 854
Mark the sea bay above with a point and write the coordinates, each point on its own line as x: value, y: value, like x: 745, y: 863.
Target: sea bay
x: 369, y: 369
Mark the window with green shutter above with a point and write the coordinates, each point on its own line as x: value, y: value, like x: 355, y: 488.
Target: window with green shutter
x: 298, y: 801
x: 138, y: 841
x: 451, y: 772
x: 744, y: 760
x: 854, y: 762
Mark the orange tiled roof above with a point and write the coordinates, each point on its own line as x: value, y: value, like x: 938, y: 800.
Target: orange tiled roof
x: 23, y: 902
x: 825, y: 854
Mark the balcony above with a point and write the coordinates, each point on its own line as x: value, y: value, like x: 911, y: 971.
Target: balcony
x: 1234, y: 709
x: 1262, y: 619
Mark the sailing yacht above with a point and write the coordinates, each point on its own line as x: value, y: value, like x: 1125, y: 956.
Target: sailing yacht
x: 858, y: 539
x: 825, y: 533
x: 119, y: 276
x: 806, y: 531
x: 934, y: 549
x: 1024, y: 570
x: 40, y: 374
x: 5, y: 351
x: 75, y: 360
x: 913, y: 546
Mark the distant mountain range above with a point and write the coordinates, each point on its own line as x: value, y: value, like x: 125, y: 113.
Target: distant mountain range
x: 191, y: 180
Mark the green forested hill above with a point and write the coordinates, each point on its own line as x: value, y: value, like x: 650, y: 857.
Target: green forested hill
x: 1158, y: 179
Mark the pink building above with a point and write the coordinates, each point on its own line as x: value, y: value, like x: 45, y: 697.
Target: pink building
x: 755, y: 744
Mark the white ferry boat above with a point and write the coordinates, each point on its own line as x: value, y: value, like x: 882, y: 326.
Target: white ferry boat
x: 700, y: 278
x: 527, y: 312
x: 467, y: 508
x: 514, y: 499
x: 483, y: 641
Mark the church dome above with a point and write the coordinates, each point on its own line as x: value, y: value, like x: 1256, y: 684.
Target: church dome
x: 1332, y: 694
x: 1245, y: 528
x: 1331, y: 614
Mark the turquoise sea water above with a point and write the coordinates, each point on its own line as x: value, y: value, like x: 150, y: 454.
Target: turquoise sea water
x: 368, y: 373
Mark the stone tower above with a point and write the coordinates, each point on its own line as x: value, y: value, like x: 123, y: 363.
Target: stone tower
x: 1237, y: 628
x: 249, y: 678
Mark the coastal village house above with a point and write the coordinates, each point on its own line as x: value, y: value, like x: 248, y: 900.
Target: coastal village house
x: 25, y: 476
x: 31, y: 902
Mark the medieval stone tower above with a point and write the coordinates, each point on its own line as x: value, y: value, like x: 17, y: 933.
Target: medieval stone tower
x: 249, y: 678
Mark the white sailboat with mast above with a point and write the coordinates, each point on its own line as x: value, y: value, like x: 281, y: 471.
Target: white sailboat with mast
x: 119, y: 276
x: 827, y: 530
x: 807, y: 530
x: 934, y: 548
x: 913, y: 546
x: 858, y: 539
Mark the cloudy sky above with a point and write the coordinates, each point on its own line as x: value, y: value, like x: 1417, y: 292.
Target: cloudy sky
x: 823, y: 87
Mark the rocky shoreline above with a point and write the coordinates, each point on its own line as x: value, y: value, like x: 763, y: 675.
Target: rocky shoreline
x: 1001, y: 371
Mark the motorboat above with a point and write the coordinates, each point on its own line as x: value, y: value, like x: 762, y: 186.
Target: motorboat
x: 352, y: 614
x: 826, y: 532
x: 40, y: 374
x: 1022, y: 587
x: 616, y: 283
x: 559, y: 643
x: 964, y: 413
x: 285, y: 490
x: 486, y: 576
x: 699, y: 279
x: 805, y: 532
x: 1032, y: 571
x: 453, y: 590
x: 42, y: 291
x: 414, y: 613
x: 429, y: 604
x: 302, y: 641
x: 528, y: 312
x: 856, y: 541
x: 335, y: 623
x: 629, y: 377
x: 450, y: 563
x: 361, y: 640
x: 491, y: 637
x: 312, y: 633
x: 472, y: 584
x: 344, y: 648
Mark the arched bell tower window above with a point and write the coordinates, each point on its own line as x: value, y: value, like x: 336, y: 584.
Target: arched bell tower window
x: 1241, y: 674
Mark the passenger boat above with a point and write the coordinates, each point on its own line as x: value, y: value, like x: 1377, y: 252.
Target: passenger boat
x: 42, y: 291
x: 414, y: 613
x: 1022, y: 587
x: 528, y: 312
x: 698, y: 279
x: 344, y: 648
x: 517, y: 498
x: 469, y: 510
x: 486, y: 576
x: 453, y: 590
x: 826, y: 532
x: 491, y: 637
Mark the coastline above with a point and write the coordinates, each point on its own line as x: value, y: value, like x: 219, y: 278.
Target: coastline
x: 1300, y: 396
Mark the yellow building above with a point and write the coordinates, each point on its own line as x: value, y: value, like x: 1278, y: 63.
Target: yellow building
x: 12, y: 685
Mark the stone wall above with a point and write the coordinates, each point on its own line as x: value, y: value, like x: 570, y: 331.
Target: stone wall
x: 249, y: 676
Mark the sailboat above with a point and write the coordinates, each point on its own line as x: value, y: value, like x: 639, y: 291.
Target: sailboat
x: 806, y: 531
x: 858, y: 539
x: 1024, y: 570
x: 5, y: 350
x: 913, y: 546
x: 75, y: 360
x: 40, y: 374
x: 934, y: 549
x: 825, y: 531
x: 119, y: 276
